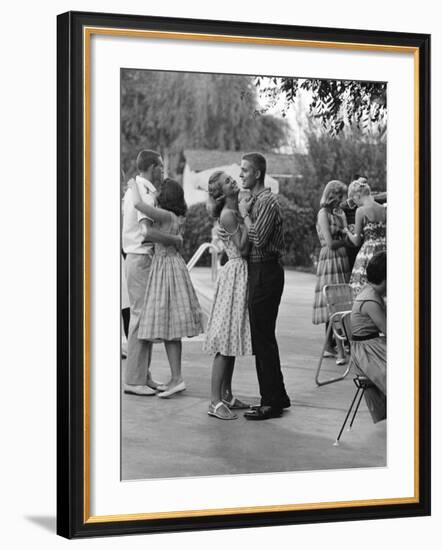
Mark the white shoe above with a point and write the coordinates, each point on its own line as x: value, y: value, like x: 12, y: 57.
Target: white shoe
x: 158, y: 386
x: 175, y: 389
x: 139, y: 390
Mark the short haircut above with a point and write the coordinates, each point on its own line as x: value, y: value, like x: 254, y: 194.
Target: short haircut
x: 377, y: 268
x: 146, y: 158
x: 171, y: 197
x: 258, y: 161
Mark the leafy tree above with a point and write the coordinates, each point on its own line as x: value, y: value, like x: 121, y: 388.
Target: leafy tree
x: 336, y: 103
x: 341, y: 157
x: 171, y: 111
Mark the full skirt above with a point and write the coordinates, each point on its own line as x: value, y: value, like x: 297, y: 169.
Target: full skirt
x: 171, y: 309
x: 333, y: 268
x: 228, y: 328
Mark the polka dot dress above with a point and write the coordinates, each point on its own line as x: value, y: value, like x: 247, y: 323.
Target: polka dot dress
x: 228, y: 328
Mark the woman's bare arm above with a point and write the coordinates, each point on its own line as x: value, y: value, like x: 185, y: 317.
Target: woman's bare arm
x: 236, y: 230
x: 325, y: 229
x: 154, y: 235
x: 356, y: 237
x: 377, y: 315
x: 156, y: 214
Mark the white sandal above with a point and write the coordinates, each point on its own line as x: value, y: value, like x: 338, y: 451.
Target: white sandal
x: 236, y: 403
x: 215, y: 410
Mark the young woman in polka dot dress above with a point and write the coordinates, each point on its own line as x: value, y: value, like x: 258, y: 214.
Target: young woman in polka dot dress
x: 228, y: 330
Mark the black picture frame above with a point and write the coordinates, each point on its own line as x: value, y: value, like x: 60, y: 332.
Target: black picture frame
x: 72, y: 392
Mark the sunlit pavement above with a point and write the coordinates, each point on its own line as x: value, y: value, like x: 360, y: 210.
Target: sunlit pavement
x: 166, y: 438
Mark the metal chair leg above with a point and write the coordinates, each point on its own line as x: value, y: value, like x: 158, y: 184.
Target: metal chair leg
x: 357, y: 408
x: 330, y: 380
x: 336, y: 443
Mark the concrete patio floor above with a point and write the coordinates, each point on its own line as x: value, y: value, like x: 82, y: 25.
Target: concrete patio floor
x: 167, y: 438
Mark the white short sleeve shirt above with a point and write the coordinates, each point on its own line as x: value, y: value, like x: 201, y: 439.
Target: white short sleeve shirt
x: 132, y: 236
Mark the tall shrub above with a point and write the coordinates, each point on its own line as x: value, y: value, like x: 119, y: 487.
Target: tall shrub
x: 197, y: 230
x: 299, y: 233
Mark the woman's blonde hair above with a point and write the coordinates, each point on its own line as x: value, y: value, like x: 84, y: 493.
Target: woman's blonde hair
x: 332, y: 194
x: 216, y: 199
x: 359, y: 188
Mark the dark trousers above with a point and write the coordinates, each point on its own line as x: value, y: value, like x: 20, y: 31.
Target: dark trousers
x: 352, y: 252
x: 266, y: 283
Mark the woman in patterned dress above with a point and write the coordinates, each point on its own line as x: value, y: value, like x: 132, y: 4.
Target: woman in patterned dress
x: 333, y: 266
x: 370, y: 228
x: 171, y: 309
x: 228, y: 330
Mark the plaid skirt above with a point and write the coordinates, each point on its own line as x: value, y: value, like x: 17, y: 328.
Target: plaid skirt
x: 171, y: 309
x: 333, y: 268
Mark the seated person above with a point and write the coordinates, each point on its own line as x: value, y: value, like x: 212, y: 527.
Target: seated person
x: 369, y: 344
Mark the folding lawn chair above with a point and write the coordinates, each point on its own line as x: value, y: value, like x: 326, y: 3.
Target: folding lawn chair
x: 339, y: 298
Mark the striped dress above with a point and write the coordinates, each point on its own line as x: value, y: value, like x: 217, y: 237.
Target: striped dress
x: 333, y: 267
x: 171, y: 309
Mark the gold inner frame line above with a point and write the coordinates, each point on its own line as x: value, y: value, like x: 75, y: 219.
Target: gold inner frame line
x: 87, y: 33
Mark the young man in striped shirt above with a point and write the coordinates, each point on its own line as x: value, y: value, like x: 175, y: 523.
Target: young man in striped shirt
x: 263, y: 219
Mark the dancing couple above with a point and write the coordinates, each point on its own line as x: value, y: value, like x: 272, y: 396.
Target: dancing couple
x: 248, y: 292
x: 163, y: 303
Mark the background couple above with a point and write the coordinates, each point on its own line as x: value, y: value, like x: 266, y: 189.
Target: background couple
x: 163, y: 303
x: 249, y: 290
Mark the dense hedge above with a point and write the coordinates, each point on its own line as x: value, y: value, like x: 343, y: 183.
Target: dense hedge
x: 300, y: 237
x: 299, y: 233
x: 197, y: 230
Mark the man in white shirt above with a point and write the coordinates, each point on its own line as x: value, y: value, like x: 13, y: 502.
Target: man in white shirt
x: 138, y: 239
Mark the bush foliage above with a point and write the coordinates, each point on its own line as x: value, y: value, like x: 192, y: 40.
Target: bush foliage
x: 197, y: 230
x: 299, y: 233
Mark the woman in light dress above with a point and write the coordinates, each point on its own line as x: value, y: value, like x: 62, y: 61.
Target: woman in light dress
x: 369, y: 329
x: 228, y: 331
x: 171, y: 309
x: 333, y: 266
x: 370, y: 229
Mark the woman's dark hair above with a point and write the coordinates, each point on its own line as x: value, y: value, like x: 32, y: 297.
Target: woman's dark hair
x: 377, y: 268
x: 171, y: 197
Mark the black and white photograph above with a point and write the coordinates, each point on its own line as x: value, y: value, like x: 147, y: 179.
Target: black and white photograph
x: 222, y: 259
x: 214, y: 198
x: 253, y: 274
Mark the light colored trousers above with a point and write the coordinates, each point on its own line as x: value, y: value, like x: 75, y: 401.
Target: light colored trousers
x: 138, y: 351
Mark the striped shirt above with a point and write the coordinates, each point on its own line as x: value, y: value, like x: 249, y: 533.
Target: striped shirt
x: 265, y: 232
